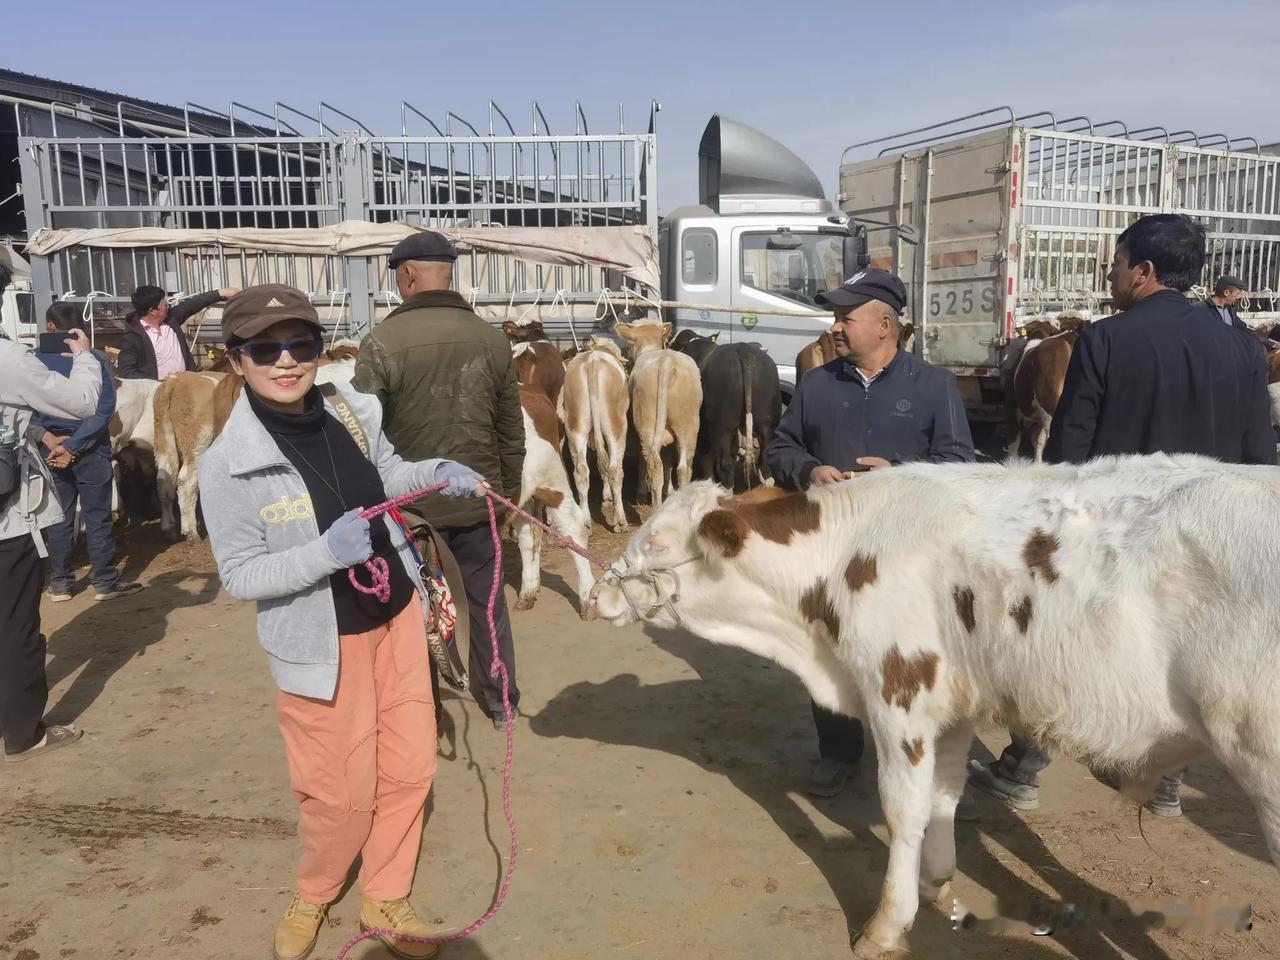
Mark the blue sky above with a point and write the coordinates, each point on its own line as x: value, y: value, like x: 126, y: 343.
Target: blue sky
x: 816, y: 75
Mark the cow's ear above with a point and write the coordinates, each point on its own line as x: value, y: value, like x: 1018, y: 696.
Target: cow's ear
x: 625, y: 331
x: 509, y: 328
x: 666, y: 332
x: 715, y: 337
x: 723, y: 532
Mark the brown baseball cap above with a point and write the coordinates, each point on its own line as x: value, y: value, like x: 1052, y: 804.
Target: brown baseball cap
x: 255, y: 309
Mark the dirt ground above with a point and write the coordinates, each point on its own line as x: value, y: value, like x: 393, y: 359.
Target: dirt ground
x: 657, y: 794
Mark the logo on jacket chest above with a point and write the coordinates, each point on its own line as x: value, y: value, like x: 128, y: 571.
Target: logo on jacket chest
x: 903, y: 405
x: 287, y: 509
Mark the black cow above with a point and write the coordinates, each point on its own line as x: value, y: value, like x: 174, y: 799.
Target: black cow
x: 695, y: 345
x: 741, y: 407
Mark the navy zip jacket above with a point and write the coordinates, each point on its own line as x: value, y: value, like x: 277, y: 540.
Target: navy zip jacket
x: 92, y: 433
x: 910, y: 412
x: 1166, y: 376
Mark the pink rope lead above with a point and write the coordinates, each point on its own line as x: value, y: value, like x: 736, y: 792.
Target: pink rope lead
x: 499, y: 669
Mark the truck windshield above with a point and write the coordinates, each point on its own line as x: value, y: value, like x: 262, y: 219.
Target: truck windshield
x: 799, y: 274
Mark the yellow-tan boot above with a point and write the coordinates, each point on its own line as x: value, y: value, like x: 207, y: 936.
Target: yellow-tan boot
x: 297, y: 933
x: 398, y: 916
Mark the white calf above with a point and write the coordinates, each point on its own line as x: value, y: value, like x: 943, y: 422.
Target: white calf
x: 184, y: 428
x: 1123, y: 612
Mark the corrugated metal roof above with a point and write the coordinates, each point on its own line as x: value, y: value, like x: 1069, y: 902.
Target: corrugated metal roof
x: 33, y: 87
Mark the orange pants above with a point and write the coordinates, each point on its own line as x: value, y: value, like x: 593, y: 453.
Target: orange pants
x: 361, y: 764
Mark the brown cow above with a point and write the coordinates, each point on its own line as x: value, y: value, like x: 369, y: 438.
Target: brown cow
x: 595, y: 404
x: 1037, y: 388
x: 184, y: 428
x: 822, y: 350
x: 666, y: 397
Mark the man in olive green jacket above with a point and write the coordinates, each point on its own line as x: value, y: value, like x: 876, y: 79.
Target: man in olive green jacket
x: 448, y: 389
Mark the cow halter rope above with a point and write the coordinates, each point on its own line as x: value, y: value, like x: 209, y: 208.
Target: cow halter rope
x: 380, y: 587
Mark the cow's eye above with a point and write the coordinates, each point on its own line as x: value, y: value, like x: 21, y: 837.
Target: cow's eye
x: 656, y: 547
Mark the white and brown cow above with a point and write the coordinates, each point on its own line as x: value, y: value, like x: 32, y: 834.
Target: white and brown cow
x: 538, y: 361
x: 927, y: 598
x: 666, y: 398
x: 545, y: 493
x: 185, y: 417
x: 595, y: 403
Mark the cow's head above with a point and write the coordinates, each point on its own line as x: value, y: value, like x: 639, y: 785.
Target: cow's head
x: 524, y: 332
x: 690, y: 541
x: 644, y: 336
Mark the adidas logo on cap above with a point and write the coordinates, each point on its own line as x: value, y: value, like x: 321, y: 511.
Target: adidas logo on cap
x: 274, y: 302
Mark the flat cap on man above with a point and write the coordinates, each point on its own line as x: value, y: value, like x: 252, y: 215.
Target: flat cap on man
x: 425, y: 245
x: 865, y: 286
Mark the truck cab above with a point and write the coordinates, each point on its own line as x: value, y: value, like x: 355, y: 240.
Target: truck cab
x: 751, y: 257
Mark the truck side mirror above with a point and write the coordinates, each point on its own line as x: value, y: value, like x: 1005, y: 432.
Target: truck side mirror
x: 854, y: 255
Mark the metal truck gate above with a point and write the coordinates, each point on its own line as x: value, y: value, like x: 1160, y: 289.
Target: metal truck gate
x: 1018, y: 217
x: 288, y: 180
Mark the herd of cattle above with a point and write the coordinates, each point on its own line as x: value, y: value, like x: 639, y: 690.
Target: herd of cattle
x: 688, y: 406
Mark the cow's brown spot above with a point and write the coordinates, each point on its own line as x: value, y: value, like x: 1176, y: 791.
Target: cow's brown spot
x: 963, y: 598
x: 542, y: 414
x: 816, y: 607
x: 1038, y: 555
x: 775, y: 520
x: 914, y: 750
x: 905, y: 676
x: 1021, y: 613
x: 861, y: 572
x: 115, y: 426
x: 552, y: 498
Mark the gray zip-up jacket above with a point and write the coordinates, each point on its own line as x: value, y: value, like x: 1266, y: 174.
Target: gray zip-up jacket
x: 27, y: 385
x: 269, y: 548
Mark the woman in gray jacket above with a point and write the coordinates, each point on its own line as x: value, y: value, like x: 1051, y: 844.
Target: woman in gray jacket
x: 355, y: 705
x: 28, y: 504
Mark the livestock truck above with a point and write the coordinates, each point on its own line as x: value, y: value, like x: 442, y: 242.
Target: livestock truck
x: 562, y: 228
x: 1016, y: 217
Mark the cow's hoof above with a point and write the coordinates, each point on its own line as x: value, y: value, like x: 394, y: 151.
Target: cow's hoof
x: 588, y: 614
x: 526, y: 603
x: 937, y: 894
x: 865, y: 948
x: 618, y: 526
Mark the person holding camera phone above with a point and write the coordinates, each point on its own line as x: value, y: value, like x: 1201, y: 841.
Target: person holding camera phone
x: 874, y: 406
x: 28, y: 504
x: 80, y: 454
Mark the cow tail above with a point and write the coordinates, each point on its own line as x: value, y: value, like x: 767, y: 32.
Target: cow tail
x: 747, y: 363
x: 594, y: 392
x: 660, y: 409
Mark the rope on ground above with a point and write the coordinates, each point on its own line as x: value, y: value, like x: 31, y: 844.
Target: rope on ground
x: 498, y: 670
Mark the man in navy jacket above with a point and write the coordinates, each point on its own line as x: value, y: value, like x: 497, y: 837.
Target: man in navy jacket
x: 80, y: 454
x: 1163, y: 376
x: 873, y: 407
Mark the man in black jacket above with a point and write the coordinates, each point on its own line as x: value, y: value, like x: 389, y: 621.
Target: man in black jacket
x: 154, y: 345
x: 1156, y: 378
x: 1222, y: 305
x: 872, y: 407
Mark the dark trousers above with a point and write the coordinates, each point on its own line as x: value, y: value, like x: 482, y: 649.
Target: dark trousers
x: 23, y: 688
x: 1022, y: 762
x: 839, y: 737
x: 87, y: 481
x: 472, y: 547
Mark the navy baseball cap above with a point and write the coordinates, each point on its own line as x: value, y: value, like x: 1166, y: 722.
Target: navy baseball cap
x: 426, y: 245
x: 865, y: 286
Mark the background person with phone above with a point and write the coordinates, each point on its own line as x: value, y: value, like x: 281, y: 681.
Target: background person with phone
x: 27, y: 505
x: 80, y: 453
x: 872, y: 407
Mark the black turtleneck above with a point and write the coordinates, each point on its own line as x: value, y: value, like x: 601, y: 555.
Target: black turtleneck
x: 302, y: 439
